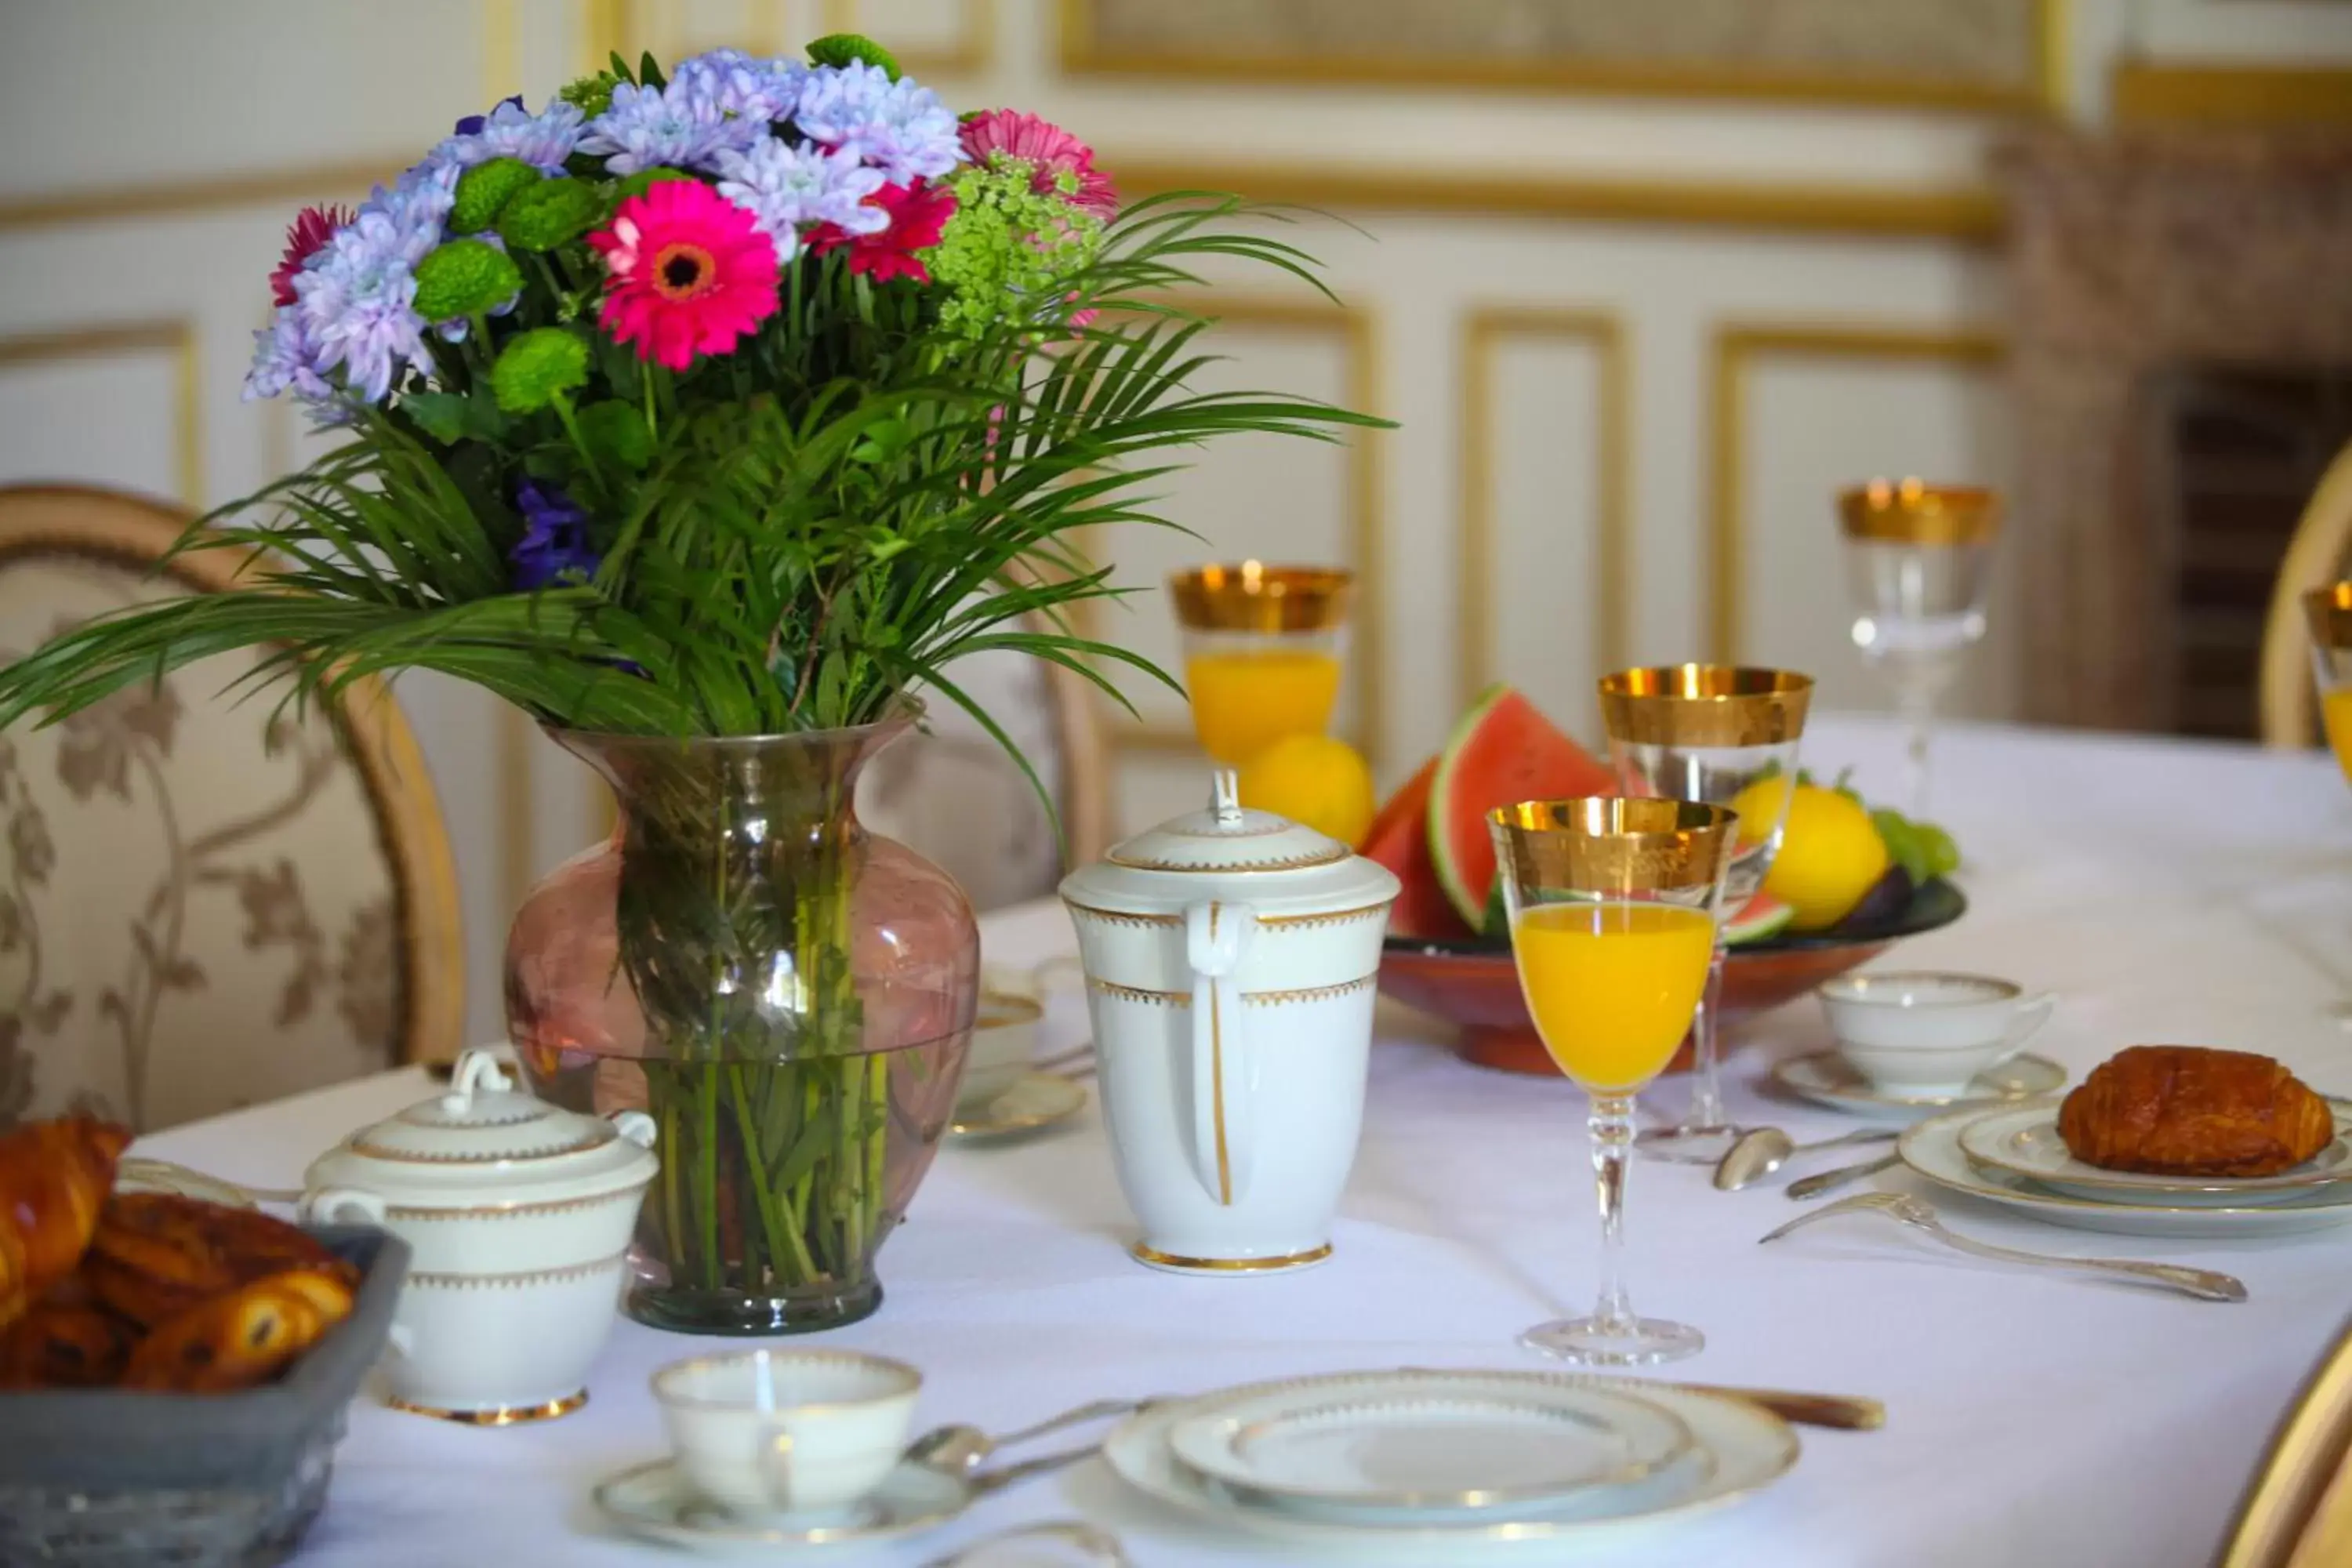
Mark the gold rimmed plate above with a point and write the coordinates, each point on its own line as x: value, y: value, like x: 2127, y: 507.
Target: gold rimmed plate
x: 1035, y: 1102
x: 1827, y: 1078
x: 2023, y: 1142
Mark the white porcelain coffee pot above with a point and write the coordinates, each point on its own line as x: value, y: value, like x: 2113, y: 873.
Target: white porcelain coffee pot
x: 1231, y: 959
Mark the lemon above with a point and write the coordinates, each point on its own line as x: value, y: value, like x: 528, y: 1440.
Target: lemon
x: 1315, y: 780
x: 1759, y: 806
x: 1831, y: 855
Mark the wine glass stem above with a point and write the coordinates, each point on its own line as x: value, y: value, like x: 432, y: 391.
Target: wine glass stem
x: 1919, y: 715
x: 1706, y: 1088
x: 1610, y: 1124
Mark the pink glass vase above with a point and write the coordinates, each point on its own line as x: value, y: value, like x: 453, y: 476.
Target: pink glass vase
x: 788, y: 996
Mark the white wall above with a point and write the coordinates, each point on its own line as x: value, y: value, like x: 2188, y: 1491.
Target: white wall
x: 1687, y: 320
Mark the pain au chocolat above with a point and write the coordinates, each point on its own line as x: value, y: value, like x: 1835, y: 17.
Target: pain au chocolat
x: 2186, y: 1111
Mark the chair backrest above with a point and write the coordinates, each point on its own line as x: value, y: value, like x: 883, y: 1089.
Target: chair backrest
x: 952, y: 794
x: 2298, y: 1511
x: 202, y: 905
x: 2319, y: 554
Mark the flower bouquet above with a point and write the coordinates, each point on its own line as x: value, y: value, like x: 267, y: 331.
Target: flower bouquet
x: 705, y: 415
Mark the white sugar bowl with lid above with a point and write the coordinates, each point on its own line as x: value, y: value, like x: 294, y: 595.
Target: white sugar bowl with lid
x: 517, y: 1214
x: 1232, y: 960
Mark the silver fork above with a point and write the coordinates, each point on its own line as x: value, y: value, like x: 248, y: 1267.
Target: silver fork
x: 2202, y: 1283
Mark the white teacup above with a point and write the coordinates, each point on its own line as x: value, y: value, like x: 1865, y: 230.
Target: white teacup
x: 1927, y: 1036
x: 1003, y: 1044
x: 765, y: 1432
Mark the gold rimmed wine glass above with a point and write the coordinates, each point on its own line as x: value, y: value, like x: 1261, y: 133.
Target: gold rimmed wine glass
x: 2328, y: 611
x: 1613, y: 904
x: 1918, y: 565
x: 1706, y: 733
x: 1263, y: 648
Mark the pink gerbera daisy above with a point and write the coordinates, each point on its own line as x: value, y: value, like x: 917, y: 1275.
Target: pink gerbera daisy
x: 918, y: 217
x: 690, y: 273
x: 304, y: 237
x: 1048, y: 149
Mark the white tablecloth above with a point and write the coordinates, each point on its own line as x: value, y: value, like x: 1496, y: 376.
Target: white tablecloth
x: 2169, y: 892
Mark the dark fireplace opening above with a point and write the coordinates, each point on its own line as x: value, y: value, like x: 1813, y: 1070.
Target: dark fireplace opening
x: 2243, y: 448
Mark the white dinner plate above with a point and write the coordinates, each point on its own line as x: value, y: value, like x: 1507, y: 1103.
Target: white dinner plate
x: 1749, y: 1447
x: 1827, y: 1078
x: 653, y: 1500
x: 1036, y: 1100
x: 1932, y: 1148
x: 2023, y: 1140
x: 1492, y: 1448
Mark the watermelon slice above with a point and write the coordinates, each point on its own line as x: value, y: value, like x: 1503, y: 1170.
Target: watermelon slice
x: 1760, y: 917
x: 1399, y: 839
x: 1503, y: 750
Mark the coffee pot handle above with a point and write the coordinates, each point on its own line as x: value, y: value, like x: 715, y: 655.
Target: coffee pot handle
x: 1216, y: 935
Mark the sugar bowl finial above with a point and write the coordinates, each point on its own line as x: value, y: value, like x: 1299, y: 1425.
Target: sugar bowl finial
x: 1225, y: 797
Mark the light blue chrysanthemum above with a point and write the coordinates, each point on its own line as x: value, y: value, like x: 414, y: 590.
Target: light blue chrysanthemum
x: 543, y: 140
x: 898, y: 127
x: 681, y: 126
x: 749, y: 86
x: 285, y: 356
x: 786, y: 188
x: 356, y: 297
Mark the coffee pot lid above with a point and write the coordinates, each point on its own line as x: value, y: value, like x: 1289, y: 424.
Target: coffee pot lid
x: 1227, y: 849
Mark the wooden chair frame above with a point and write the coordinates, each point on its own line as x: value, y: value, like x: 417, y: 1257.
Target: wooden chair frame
x: 2316, y: 557
x: 74, y: 521
x: 2298, y: 1511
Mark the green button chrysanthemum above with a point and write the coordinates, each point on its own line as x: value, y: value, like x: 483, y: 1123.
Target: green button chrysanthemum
x: 465, y: 277
x: 486, y: 188
x: 536, y: 366
x: 552, y: 213
x: 592, y: 95
x: 838, y: 49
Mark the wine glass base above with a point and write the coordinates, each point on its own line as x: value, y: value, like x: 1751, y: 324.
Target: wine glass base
x: 1687, y: 1145
x: 1628, y: 1341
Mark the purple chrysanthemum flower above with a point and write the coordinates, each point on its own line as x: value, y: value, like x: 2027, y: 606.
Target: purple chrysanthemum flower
x: 554, y: 546
x: 744, y: 85
x: 681, y: 126
x: 543, y: 140
x: 786, y: 188
x: 356, y: 296
x: 286, y: 355
x: 898, y: 127
x: 471, y: 124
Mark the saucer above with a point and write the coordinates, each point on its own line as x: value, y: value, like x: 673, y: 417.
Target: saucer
x: 1035, y: 1099
x: 653, y: 1500
x: 2023, y: 1140
x: 1826, y: 1077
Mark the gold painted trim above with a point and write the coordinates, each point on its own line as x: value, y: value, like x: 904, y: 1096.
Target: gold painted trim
x: 1120, y: 918
x: 2328, y: 613
x: 1612, y: 593
x: 1152, y: 1255
x: 1912, y: 512
x: 517, y: 1211
x: 1310, y: 993
x: 1358, y: 333
x: 972, y: 53
x: 1217, y: 1079
x: 1114, y: 990
x: 1252, y: 596
x: 498, y: 1416
x: 1273, y: 923
x: 514, y: 1282
x: 597, y: 1139
x: 111, y: 525
x: 181, y: 199
x: 2145, y: 94
x: 1690, y: 705
x: 176, y: 338
x: 502, y: 49
x: 1737, y: 346
x: 1307, y: 862
x: 604, y: 32
x: 2297, y: 1510
x: 1082, y: 53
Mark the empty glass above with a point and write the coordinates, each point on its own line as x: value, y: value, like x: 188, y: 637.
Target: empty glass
x: 1711, y: 733
x: 1918, y: 564
x: 1614, y: 905
x: 1263, y: 648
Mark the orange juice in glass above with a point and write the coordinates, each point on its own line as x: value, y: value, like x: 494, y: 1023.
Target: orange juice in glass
x: 2328, y: 611
x: 1264, y: 646
x: 1612, y: 905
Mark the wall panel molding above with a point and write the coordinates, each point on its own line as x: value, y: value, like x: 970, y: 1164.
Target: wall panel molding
x: 1739, y: 347
x: 1484, y: 330
x: 176, y: 338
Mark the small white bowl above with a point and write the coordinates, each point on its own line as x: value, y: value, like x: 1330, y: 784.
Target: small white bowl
x: 1003, y: 1044
x: 765, y: 1432
x: 1925, y: 1034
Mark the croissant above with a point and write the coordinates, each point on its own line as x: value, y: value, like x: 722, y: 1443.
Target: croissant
x: 156, y: 1255
x: 242, y: 1338
x: 63, y: 1344
x: 2185, y: 1110
x: 54, y: 1177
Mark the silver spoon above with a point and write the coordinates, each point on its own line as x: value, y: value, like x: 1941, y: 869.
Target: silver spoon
x: 1761, y: 1151
x: 960, y: 1450
x: 2202, y: 1283
x: 1813, y: 1186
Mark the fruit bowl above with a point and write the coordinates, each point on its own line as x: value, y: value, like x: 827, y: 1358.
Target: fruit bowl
x: 1471, y: 982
